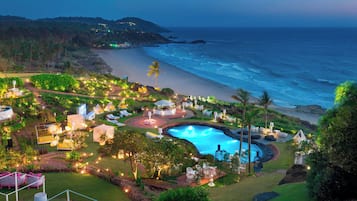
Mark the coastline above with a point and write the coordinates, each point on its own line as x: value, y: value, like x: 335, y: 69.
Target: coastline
x: 133, y: 63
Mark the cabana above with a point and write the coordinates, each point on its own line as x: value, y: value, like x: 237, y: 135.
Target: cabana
x: 45, y: 133
x: 165, y: 107
x: 97, y: 109
x: 6, y: 112
x: 76, y: 122
x: 109, y: 107
x: 101, y: 130
x: 299, y: 137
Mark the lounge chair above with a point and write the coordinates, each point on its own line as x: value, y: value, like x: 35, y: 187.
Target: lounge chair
x: 90, y: 116
x: 124, y: 113
x: 116, y: 122
x: 66, y: 145
x: 113, y: 117
x: 34, y: 180
x: 8, y: 179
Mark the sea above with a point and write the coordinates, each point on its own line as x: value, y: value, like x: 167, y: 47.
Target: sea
x: 296, y: 66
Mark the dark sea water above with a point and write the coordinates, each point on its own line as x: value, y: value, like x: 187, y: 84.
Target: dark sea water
x: 297, y: 66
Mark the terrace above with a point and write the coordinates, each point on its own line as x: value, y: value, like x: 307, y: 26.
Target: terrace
x: 104, y: 160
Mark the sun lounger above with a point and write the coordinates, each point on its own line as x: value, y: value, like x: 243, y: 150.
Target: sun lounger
x: 8, y: 179
x: 115, y: 122
x: 124, y: 113
x: 113, y: 117
x: 90, y: 116
x: 45, y: 139
x: 66, y: 145
x: 34, y: 180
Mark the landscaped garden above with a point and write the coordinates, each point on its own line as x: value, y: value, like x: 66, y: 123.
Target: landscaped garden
x: 138, y: 162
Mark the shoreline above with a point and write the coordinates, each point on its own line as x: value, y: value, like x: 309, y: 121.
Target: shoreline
x: 133, y: 63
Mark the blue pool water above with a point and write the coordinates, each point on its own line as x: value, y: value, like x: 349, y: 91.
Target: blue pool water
x: 206, y: 139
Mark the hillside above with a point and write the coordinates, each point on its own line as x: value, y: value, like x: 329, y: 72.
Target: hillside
x: 50, y: 43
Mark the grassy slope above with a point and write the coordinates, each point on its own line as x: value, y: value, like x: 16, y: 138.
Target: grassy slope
x: 292, y: 192
x: 85, y: 184
x: 250, y: 186
x: 284, y: 161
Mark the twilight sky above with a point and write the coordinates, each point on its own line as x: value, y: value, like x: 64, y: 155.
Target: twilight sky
x: 242, y: 13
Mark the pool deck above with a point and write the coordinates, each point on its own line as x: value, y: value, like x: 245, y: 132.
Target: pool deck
x: 157, y: 120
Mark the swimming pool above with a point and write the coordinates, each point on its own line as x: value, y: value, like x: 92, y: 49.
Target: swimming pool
x: 206, y: 139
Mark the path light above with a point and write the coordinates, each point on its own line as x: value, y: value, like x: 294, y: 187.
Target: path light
x: 160, y: 133
x: 211, y: 184
x: 126, y: 190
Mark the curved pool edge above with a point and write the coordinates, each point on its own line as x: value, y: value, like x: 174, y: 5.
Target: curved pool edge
x: 268, y: 153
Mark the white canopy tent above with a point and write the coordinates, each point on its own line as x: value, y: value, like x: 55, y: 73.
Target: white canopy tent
x: 164, y: 103
x: 299, y: 137
x: 165, y: 107
x: 76, y: 122
x: 103, y: 129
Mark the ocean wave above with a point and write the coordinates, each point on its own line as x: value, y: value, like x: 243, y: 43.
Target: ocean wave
x: 302, y: 75
x: 330, y: 82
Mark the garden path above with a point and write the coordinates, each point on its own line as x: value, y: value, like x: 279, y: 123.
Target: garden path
x: 53, y: 161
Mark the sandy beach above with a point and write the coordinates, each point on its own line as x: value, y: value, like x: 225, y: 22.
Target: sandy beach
x: 134, y: 63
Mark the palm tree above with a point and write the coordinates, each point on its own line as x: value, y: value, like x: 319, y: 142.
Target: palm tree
x: 249, y: 121
x: 243, y: 97
x: 154, y: 69
x: 265, y: 101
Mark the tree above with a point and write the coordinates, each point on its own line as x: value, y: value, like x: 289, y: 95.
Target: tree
x: 186, y: 194
x: 333, y: 164
x: 133, y: 144
x: 249, y: 119
x: 154, y: 69
x: 161, y: 156
x: 243, y: 97
x: 265, y: 101
x: 5, y: 65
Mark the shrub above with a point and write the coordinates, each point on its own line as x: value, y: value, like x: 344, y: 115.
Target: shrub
x: 56, y: 82
x: 167, y: 91
x: 187, y: 194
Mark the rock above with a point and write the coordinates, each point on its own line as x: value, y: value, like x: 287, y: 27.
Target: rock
x: 198, y: 42
x: 313, y: 109
x: 297, y: 173
x: 265, y: 196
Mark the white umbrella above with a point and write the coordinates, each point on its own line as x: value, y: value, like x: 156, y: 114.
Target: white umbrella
x: 164, y: 103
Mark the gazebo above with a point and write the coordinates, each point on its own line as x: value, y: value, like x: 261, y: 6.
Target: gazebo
x: 164, y: 107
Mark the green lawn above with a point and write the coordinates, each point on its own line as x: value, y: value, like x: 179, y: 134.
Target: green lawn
x: 251, y: 185
x: 246, y: 188
x: 292, y: 192
x: 285, y: 160
x: 85, y: 184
